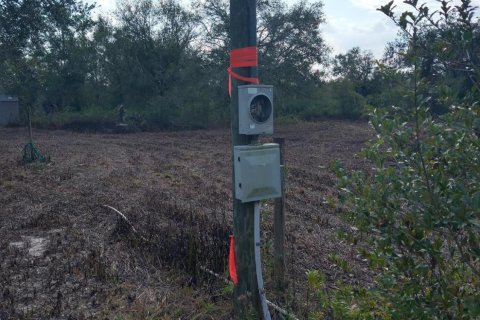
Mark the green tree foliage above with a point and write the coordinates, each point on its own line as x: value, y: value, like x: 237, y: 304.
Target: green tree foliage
x: 356, y: 66
x: 358, y: 82
x: 292, y: 52
x: 419, y: 208
x: 291, y: 48
x: 153, y: 66
x: 165, y: 63
x: 37, y: 39
x: 335, y: 99
x: 443, y: 46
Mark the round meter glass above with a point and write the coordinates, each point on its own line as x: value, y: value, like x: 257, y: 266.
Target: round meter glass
x: 260, y: 108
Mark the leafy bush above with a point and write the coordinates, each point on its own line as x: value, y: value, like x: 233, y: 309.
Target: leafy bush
x: 419, y: 206
x: 421, y: 211
x: 93, y: 119
x: 336, y: 99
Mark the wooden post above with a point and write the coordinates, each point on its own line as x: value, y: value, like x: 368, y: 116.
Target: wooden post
x: 30, y: 124
x: 279, y: 226
x: 243, y: 23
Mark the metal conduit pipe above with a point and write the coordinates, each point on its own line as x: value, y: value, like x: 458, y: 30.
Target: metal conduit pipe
x: 258, y: 262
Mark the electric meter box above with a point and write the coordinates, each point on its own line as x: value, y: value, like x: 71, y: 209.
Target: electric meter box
x: 257, y: 172
x: 255, y: 113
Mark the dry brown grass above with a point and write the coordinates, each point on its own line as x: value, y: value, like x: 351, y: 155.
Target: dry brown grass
x: 175, y: 188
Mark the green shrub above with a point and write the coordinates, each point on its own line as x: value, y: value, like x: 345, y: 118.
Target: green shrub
x: 420, y: 209
x: 93, y: 119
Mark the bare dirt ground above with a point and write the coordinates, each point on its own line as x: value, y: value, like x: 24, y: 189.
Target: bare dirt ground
x: 64, y: 255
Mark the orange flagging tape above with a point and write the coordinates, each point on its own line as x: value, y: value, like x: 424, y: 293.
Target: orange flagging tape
x: 232, y: 266
x: 241, y: 58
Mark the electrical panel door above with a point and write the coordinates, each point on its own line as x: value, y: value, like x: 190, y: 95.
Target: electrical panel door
x: 257, y: 172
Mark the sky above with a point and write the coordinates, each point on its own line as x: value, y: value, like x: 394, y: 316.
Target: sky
x: 349, y: 23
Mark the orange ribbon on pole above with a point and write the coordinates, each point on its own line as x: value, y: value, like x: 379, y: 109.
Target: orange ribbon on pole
x: 232, y: 266
x: 242, y: 58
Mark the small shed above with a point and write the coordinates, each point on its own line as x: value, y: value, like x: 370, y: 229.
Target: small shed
x: 9, y: 109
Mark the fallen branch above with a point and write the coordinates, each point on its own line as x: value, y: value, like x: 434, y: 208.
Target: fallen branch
x: 215, y: 275
x: 125, y: 219
x: 282, y: 311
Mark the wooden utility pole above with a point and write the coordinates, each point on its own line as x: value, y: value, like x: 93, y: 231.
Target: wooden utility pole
x: 243, y: 25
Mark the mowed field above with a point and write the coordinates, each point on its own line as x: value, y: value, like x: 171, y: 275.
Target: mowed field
x: 64, y: 255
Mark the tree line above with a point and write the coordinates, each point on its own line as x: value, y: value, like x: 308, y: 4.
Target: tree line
x: 166, y: 63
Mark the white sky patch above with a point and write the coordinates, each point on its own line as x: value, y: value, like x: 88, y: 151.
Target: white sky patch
x: 400, y: 6
x: 105, y: 8
x: 353, y: 23
x: 106, y: 5
x: 343, y: 34
x: 374, y: 4
x: 367, y: 4
x: 351, y: 26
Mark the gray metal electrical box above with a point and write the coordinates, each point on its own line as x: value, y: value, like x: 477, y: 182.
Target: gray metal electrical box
x: 255, y: 113
x: 257, y: 172
x: 9, y: 110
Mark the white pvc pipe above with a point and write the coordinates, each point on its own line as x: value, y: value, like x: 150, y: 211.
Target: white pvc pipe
x: 258, y: 261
